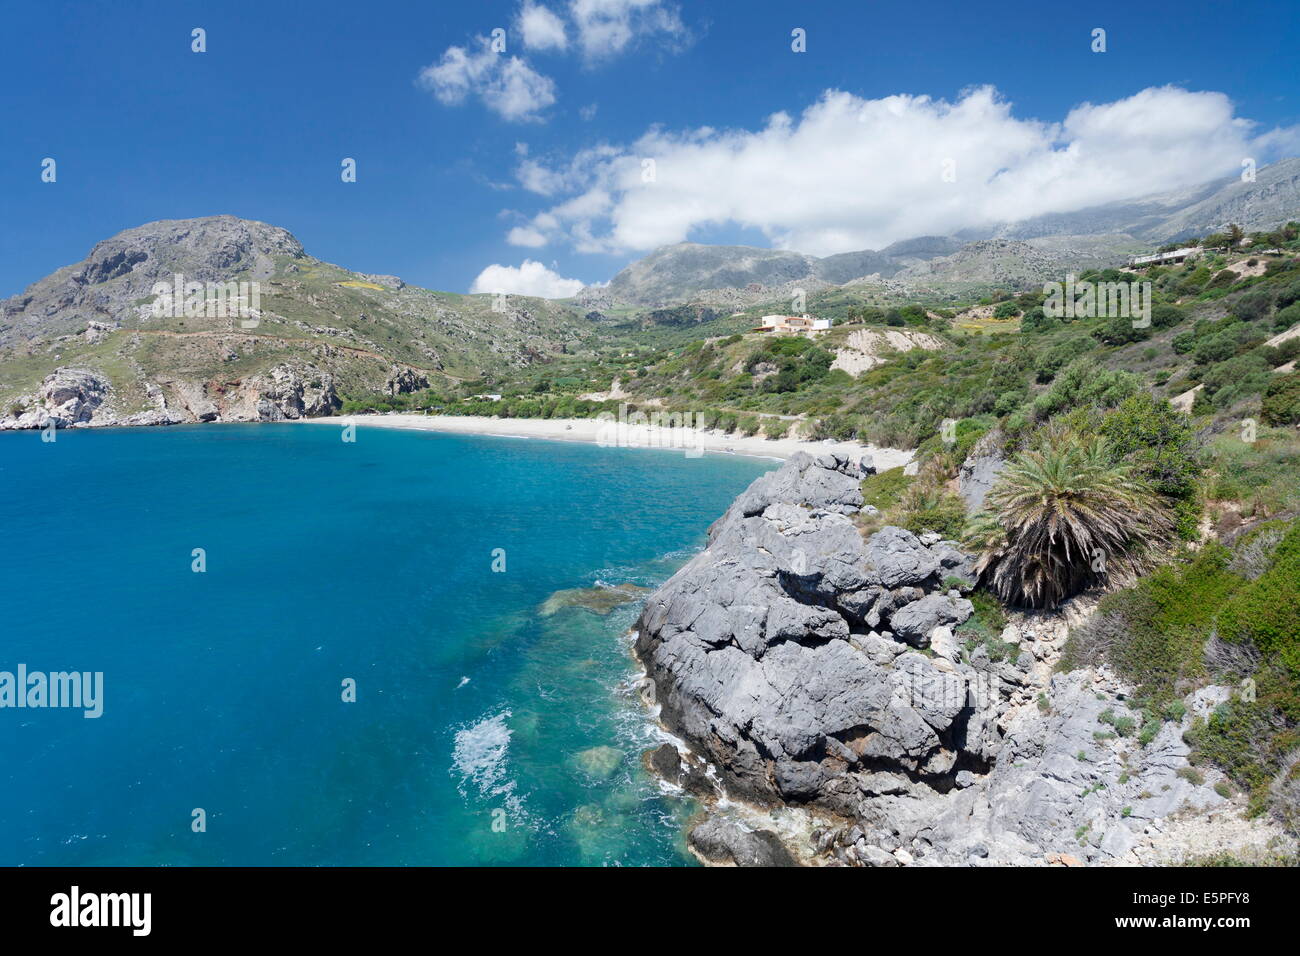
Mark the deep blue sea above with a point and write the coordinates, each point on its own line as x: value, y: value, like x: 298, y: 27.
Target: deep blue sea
x: 327, y: 560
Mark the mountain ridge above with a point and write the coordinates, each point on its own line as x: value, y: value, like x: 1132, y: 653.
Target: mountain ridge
x: 1097, y: 236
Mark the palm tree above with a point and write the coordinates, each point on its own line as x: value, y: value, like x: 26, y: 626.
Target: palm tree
x: 1063, y: 518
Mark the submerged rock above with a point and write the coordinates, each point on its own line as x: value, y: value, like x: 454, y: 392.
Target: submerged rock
x: 599, y: 763
x: 599, y: 600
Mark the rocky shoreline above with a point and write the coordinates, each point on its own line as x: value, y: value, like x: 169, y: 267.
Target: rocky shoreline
x: 76, y: 397
x: 808, y: 668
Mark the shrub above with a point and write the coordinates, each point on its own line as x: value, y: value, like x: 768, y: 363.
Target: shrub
x: 884, y: 489
x: 931, y: 507
x: 1281, y: 402
x: 1036, y: 320
x: 1084, y: 382
x: 1161, y: 446
x: 1165, y: 316
x: 1120, y: 331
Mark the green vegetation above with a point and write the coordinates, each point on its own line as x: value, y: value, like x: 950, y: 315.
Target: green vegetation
x: 1230, y: 615
x: 1063, y: 518
x: 884, y: 489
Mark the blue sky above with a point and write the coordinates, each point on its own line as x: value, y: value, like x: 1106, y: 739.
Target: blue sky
x: 142, y: 128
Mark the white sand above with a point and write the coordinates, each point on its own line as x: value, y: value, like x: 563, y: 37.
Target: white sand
x: 689, y: 441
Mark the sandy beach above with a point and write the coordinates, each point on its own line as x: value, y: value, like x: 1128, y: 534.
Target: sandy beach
x: 690, y: 441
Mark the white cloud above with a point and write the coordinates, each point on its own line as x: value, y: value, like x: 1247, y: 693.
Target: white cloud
x: 507, y: 85
x: 536, y: 178
x: 531, y: 278
x: 607, y: 27
x: 526, y: 236
x: 540, y: 28
x: 851, y: 173
x: 510, y: 87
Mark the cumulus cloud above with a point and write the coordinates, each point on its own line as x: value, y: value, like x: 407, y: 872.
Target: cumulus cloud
x: 506, y: 84
x: 606, y: 28
x: 531, y: 278
x: 511, y: 87
x: 851, y: 173
x: 541, y: 28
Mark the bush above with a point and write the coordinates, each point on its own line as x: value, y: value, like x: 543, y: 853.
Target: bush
x: 1036, y: 320
x: 1281, y: 402
x: 774, y: 428
x: 1082, y: 383
x: 1253, y: 305
x: 1286, y: 318
x: 884, y: 489
x: 1164, y: 316
x: 1162, y: 447
x: 1120, y: 331
x: 931, y: 507
x: 1266, y: 612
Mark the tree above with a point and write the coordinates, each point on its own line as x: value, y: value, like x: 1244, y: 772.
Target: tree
x: 1065, y: 518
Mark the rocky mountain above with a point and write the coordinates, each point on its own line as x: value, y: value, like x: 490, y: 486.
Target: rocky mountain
x: 742, y: 275
x: 1009, y: 254
x: 1271, y: 199
x: 816, y: 668
x: 311, y: 333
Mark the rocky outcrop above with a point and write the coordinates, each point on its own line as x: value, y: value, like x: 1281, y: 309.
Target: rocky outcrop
x: 813, y: 669
x: 284, y: 392
x: 121, y: 270
x: 67, y: 397
x: 1064, y: 785
x: 79, y: 397
x: 980, y: 470
x: 775, y: 652
x: 723, y: 841
x: 402, y: 380
x: 865, y: 349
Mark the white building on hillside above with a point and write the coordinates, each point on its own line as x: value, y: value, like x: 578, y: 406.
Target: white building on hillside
x: 793, y: 324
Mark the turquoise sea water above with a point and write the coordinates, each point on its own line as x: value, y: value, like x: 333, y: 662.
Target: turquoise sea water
x: 325, y: 561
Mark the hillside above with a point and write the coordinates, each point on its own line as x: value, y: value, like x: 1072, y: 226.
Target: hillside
x: 346, y: 332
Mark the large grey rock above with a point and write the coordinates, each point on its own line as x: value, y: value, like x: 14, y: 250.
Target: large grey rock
x: 979, y: 472
x: 760, y: 656
x: 286, y: 391
x: 722, y: 840
x: 896, y: 557
x: 801, y: 480
x: 914, y: 622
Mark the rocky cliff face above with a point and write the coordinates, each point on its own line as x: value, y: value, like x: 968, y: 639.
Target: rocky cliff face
x: 816, y: 669
x: 799, y: 657
x: 120, y: 271
x: 83, y: 397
